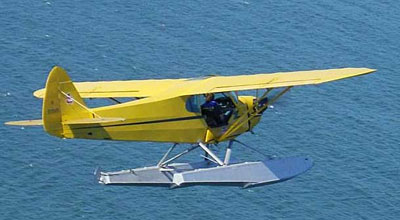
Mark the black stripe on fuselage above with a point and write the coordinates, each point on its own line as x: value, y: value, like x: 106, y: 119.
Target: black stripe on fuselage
x: 143, y: 122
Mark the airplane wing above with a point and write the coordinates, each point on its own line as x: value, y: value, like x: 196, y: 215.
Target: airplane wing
x: 130, y: 88
x: 211, y: 84
x: 272, y: 80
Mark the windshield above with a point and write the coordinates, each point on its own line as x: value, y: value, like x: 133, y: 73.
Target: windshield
x: 233, y: 96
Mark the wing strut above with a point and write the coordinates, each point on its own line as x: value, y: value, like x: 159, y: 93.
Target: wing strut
x: 239, y: 122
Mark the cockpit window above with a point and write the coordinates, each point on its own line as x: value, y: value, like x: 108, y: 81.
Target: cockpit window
x: 234, y: 97
x: 218, y: 109
x: 194, y: 102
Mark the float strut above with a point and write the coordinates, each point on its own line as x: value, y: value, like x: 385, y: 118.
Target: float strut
x: 166, y: 155
x: 228, y: 153
x: 209, y: 152
x: 177, y: 156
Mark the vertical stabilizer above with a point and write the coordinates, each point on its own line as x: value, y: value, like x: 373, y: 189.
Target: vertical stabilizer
x: 61, y: 102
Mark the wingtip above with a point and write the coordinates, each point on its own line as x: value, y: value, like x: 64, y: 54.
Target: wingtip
x: 369, y: 70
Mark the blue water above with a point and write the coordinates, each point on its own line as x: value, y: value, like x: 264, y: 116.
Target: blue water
x: 350, y: 128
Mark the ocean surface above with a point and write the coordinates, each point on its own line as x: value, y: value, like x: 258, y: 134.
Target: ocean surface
x: 350, y: 128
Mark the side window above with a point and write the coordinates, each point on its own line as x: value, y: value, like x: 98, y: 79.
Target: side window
x: 219, y: 95
x: 194, y: 102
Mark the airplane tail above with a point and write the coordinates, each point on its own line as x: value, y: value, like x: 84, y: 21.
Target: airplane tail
x: 62, y: 103
x: 63, y: 108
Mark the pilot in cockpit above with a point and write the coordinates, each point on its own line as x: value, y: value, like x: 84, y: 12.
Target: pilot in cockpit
x: 210, y: 110
x: 210, y: 102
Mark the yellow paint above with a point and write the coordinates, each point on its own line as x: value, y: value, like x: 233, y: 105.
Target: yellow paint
x: 148, y: 88
x: 162, y: 115
x: 26, y: 122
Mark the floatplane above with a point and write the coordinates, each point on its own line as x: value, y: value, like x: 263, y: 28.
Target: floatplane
x: 200, y: 113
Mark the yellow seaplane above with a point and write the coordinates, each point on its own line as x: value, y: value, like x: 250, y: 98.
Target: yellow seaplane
x: 201, y: 112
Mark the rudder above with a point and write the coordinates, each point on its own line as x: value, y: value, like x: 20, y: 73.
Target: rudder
x: 61, y: 102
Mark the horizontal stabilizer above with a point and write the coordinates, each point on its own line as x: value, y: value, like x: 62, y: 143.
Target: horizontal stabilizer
x: 37, y: 122
x: 87, y: 121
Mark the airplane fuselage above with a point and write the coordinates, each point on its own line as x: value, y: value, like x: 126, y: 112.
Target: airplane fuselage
x: 177, y: 120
